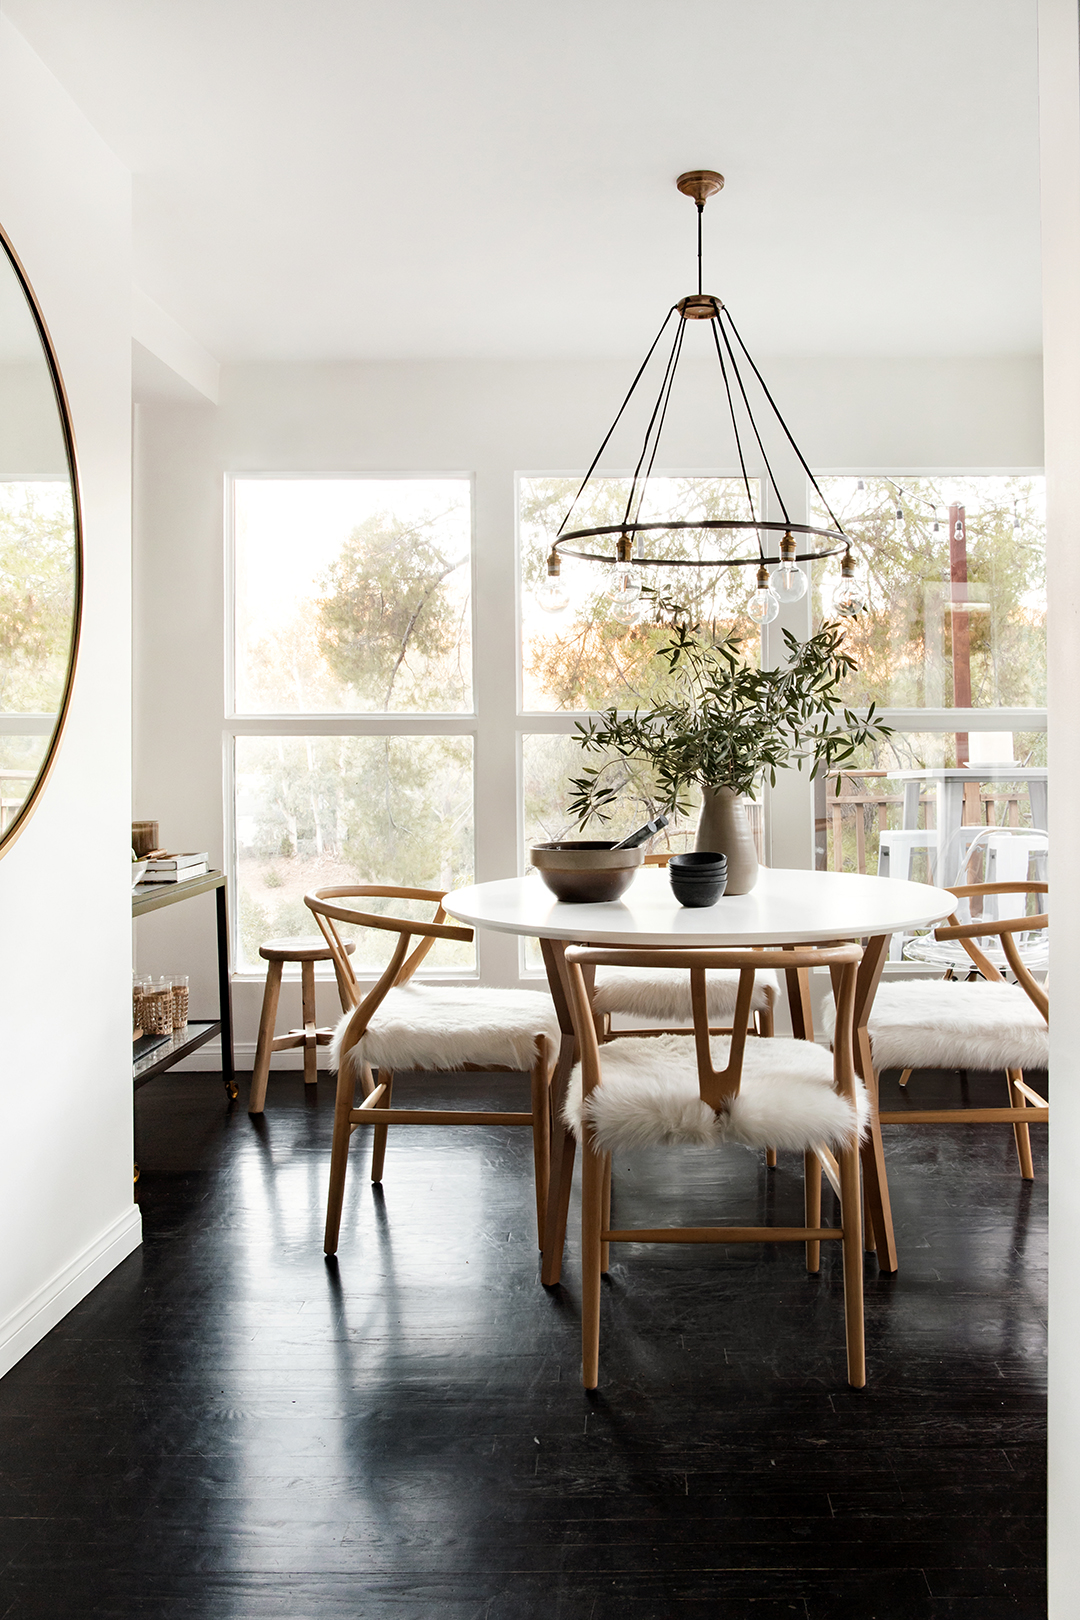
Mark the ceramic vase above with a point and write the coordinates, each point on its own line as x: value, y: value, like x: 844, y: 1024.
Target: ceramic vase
x: 723, y: 827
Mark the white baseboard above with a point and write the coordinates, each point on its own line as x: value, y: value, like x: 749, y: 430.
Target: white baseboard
x: 41, y: 1312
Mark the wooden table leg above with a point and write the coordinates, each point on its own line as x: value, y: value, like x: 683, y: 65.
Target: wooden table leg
x: 875, y: 1182
x: 798, y: 991
x: 563, y: 1145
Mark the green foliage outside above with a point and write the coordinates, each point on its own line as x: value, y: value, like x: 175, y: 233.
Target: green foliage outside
x: 587, y: 659
x: 386, y: 626
x: 383, y: 629
x: 903, y: 647
x: 319, y: 811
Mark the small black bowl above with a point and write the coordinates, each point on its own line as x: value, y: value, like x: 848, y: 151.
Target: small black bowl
x: 698, y: 878
x: 698, y: 863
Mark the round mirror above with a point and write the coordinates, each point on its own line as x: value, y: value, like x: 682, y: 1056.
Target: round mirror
x: 40, y: 550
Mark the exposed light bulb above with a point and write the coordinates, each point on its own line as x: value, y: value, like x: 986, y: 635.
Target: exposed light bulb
x: 624, y: 595
x: 764, y: 605
x: 849, y: 601
x: 551, y: 596
x: 788, y: 582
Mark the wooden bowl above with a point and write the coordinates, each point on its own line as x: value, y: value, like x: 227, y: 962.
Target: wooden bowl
x: 586, y: 872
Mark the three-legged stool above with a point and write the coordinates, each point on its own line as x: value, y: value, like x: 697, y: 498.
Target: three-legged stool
x: 277, y: 952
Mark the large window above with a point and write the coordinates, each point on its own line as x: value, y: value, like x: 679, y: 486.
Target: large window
x: 354, y: 752
x: 351, y: 603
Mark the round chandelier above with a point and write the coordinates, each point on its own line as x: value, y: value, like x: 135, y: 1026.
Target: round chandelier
x: 779, y: 576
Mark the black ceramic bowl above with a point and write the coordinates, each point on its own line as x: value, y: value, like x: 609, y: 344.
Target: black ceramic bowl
x: 698, y: 878
x: 698, y: 863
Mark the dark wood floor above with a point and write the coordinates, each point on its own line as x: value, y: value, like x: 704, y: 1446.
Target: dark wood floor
x: 227, y: 1427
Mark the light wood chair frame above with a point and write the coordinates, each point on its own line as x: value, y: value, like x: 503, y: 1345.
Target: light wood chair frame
x: 1026, y: 1106
x: 715, y: 1088
x: 376, y: 1109
x: 762, y: 1021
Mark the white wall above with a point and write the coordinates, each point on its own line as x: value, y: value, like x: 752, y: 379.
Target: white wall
x: 66, y: 1208
x: 1059, y: 94
x: 491, y: 419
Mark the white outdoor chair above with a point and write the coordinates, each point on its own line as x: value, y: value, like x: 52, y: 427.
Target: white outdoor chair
x: 400, y: 1027
x: 953, y: 1024
x: 1010, y: 855
x: 666, y: 1091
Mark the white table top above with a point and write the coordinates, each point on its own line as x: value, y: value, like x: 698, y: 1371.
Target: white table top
x: 971, y: 773
x: 785, y: 908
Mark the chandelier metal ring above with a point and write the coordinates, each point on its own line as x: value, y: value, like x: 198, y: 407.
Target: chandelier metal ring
x: 627, y: 529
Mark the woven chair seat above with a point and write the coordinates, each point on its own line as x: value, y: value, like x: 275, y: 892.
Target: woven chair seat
x: 948, y: 1024
x: 426, y: 1026
x: 659, y: 994
x: 649, y: 1096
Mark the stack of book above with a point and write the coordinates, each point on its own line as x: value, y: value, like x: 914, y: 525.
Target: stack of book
x: 175, y: 868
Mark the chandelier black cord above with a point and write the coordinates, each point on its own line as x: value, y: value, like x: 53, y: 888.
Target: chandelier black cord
x: 731, y: 410
x: 618, y: 417
x: 787, y: 431
x: 659, y: 427
x: 668, y: 378
x: 718, y: 326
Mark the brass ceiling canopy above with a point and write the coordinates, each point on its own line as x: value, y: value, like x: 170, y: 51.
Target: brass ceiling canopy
x: 742, y: 382
x: 701, y: 184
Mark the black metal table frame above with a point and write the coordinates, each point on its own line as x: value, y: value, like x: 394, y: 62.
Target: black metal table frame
x: 152, y: 897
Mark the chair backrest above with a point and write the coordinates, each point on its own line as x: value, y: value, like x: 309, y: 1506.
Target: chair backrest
x: 1012, y: 931
x: 716, y: 1086
x: 402, y: 964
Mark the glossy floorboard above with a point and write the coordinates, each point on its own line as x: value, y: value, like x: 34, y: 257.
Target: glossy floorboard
x: 229, y: 1428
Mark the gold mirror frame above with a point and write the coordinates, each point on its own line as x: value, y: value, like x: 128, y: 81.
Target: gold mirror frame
x: 29, y: 805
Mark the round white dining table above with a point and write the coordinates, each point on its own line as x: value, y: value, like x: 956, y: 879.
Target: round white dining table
x: 784, y: 908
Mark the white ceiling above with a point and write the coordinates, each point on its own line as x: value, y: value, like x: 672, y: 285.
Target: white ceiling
x: 324, y: 179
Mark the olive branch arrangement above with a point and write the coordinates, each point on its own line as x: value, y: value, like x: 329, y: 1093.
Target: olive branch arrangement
x: 724, y: 723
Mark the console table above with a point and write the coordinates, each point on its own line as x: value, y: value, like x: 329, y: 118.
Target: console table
x: 151, y: 897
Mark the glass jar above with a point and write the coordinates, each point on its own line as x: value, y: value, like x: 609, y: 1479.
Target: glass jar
x: 179, y: 985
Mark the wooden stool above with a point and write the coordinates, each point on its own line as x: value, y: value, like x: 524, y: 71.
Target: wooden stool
x: 277, y: 952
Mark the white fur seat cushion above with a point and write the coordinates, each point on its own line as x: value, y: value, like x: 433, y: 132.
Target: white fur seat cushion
x: 427, y: 1026
x: 649, y: 1096
x: 950, y: 1024
x: 664, y: 993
